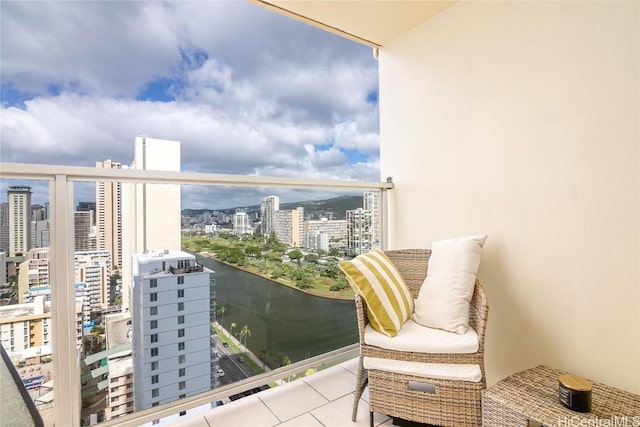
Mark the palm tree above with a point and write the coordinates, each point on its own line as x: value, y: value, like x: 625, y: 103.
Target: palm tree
x: 243, y: 334
x: 221, y: 311
x: 233, y: 325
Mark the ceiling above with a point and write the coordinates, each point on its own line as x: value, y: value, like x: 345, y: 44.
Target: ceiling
x: 372, y: 22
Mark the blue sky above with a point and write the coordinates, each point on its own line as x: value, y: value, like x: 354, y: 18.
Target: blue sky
x: 245, y: 90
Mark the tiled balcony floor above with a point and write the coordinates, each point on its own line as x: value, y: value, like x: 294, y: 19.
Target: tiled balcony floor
x: 322, y: 399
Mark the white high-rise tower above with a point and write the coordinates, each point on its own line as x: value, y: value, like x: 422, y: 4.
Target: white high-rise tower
x: 174, y: 348
x: 109, y: 215
x: 371, y: 203
x: 150, y: 212
x: 268, y: 207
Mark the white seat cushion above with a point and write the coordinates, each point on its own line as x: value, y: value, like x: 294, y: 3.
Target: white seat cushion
x: 440, y: 371
x: 420, y: 339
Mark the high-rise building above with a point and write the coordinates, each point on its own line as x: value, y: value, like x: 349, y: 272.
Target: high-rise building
x: 268, y: 207
x: 4, y: 227
x: 318, y: 241
x: 241, y: 223
x: 19, y: 219
x: 108, y: 221
x: 82, y: 230
x: 82, y: 301
x: 27, y: 325
x: 88, y: 207
x: 3, y: 268
x: 40, y: 233
x: 359, y: 231
x: 371, y: 203
x: 93, y: 268
x: 336, y: 231
x: 34, y: 271
x: 173, y: 345
x: 150, y: 212
x: 289, y: 226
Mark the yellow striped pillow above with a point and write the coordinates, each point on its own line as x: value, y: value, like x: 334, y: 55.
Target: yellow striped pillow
x: 389, y: 301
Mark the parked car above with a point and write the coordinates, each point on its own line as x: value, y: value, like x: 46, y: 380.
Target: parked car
x: 220, y: 372
x: 240, y: 359
x: 225, y: 344
x: 225, y: 356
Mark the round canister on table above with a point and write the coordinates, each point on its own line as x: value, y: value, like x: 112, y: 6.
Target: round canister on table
x: 575, y: 392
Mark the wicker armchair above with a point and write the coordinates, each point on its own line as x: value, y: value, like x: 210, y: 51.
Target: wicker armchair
x: 455, y: 403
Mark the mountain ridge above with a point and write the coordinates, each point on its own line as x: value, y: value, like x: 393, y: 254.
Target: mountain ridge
x: 336, y: 207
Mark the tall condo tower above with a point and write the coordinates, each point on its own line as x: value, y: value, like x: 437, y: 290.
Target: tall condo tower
x: 19, y: 219
x: 289, y: 226
x: 82, y: 230
x: 359, y: 231
x: 173, y: 345
x: 268, y: 207
x: 109, y: 215
x: 150, y: 212
x: 371, y: 203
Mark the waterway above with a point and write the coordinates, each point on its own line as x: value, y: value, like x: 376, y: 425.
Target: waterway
x: 282, y: 321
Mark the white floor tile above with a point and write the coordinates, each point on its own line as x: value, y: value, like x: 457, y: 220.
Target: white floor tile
x: 305, y: 420
x: 197, y: 420
x: 322, y: 399
x: 248, y: 411
x: 351, y: 365
x: 332, y: 383
x: 338, y: 413
x: 292, y: 400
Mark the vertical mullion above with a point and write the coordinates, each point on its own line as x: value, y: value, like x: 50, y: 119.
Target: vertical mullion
x: 384, y: 214
x: 66, y: 372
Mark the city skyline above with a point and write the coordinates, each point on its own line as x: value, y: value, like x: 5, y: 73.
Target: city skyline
x: 245, y: 91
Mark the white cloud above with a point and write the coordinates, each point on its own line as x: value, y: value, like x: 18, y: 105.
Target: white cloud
x: 255, y: 92
x: 101, y: 47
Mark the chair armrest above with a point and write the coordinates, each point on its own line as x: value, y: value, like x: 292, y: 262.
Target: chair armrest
x: 478, y: 313
x: 361, y: 313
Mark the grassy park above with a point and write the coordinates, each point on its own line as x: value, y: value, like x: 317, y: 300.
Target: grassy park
x: 315, y: 274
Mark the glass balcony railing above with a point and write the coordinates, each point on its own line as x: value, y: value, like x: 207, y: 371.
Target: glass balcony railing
x: 200, y: 300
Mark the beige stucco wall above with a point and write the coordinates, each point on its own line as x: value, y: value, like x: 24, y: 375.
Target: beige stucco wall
x: 521, y: 120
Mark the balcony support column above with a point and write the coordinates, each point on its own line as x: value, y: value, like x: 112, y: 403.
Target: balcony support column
x: 66, y: 370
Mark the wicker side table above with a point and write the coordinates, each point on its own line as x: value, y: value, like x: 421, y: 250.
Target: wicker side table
x: 532, y: 395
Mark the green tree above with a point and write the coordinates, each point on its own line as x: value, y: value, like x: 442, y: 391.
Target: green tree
x: 97, y: 331
x: 221, y: 311
x: 233, y: 325
x: 311, y: 258
x: 252, y: 251
x: 243, y: 334
x: 300, y: 277
x: 295, y: 255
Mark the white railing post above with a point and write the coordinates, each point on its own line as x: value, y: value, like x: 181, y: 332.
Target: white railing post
x: 66, y: 370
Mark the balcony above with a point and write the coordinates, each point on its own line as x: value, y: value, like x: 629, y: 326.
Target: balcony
x: 324, y: 398
x: 66, y: 408
x: 493, y: 124
x: 186, y: 269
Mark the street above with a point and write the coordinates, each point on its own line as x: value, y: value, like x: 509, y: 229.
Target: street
x: 233, y: 369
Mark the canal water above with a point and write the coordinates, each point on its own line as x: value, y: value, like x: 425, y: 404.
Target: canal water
x: 282, y: 321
